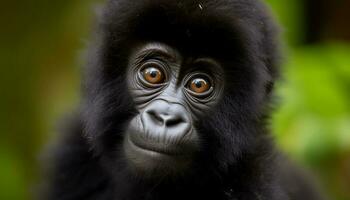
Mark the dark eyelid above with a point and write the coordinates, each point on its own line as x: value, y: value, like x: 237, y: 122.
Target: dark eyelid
x: 156, y: 54
x: 157, y: 62
x: 204, y: 76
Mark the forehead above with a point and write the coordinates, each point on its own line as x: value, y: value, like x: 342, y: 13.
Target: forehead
x: 202, y: 34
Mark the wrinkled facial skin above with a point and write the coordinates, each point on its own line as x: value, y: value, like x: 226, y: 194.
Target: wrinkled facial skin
x: 171, y: 95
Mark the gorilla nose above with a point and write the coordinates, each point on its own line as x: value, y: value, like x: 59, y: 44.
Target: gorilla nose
x: 165, y: 119
x: 164, y: 116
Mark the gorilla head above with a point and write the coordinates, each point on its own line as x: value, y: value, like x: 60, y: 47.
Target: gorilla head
x: 175, y: 104
x: 178, y: 87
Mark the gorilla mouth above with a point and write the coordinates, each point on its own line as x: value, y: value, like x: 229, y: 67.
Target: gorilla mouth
x: 151, y: 158
x: 155, y: 147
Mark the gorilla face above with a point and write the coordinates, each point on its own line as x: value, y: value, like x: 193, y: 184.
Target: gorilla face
x: 171, y: 93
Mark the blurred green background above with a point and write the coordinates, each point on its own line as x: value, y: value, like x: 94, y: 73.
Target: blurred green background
x: 41, y: 48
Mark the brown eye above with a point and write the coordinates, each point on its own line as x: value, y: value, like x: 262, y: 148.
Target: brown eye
x: 153, y: 75
x: 199, y: 85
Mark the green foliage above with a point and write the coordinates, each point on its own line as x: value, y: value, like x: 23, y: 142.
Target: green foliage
x: 12, y: 184
x: 313, y: 121
x: 316, y: 98
x: 290, y: 14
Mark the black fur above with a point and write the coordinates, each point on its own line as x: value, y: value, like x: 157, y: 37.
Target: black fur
x: 237, y: 159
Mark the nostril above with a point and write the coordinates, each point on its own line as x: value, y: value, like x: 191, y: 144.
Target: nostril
x: 155, y: 117
x: 173, y: 121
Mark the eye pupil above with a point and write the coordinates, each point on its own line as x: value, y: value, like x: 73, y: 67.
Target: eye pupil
x: 153, y: 73
x: 198, y: 83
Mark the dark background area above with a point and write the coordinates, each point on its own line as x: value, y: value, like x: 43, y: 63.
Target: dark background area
x: 41, y: 55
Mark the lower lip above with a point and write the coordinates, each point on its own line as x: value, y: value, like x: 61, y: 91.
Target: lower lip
x: 147, y: 150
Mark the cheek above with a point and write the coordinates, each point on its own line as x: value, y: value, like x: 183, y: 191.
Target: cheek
x: 143, y: 97
x: 135, y: 125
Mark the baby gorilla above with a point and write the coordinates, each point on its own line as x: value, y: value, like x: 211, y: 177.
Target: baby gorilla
x: 174, y: 106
